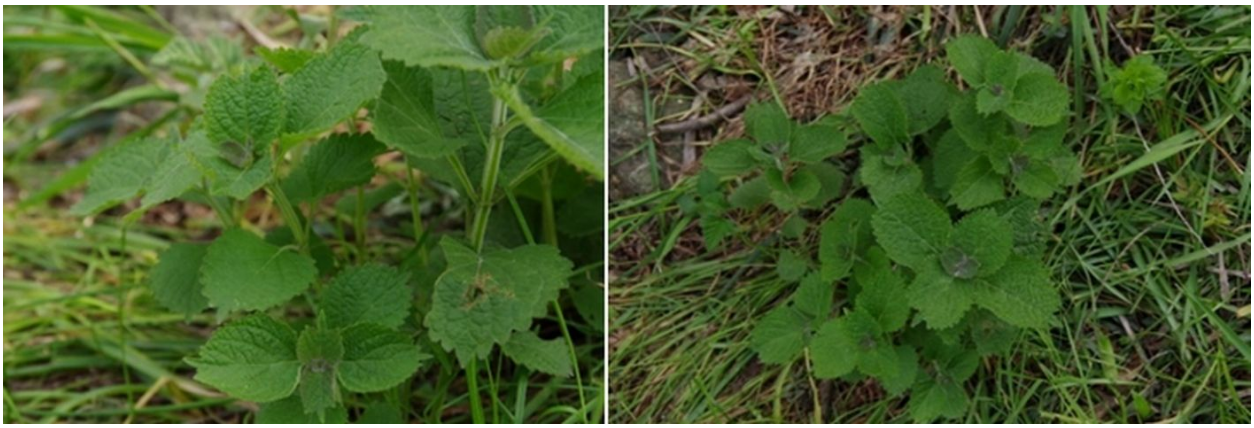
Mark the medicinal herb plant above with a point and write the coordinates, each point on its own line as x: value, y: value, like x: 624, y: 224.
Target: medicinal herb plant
x: 942, y: 264
x: 509, y: 96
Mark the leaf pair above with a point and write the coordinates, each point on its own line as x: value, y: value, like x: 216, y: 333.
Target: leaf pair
x: 1010, y: 82
x: 959, y: 265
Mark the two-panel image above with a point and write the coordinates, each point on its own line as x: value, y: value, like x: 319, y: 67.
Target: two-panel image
x: 597, y: 214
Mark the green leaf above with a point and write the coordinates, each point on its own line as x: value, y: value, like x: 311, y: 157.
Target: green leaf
x: 319, y: 351
x: 949, y: 156
x: 427, y: 36
x: 480, y: 300
x: 1036, y: 179
x: 1000, y: 74
x: 768, y: 124
x: 1039, y: 100
x: 380, y: 412
x: 991, y: 335
x: 882, y: 114
x: 243, y: 272
x: 931, y: 400
x: 940, y: 299
x: 887, y: 174
x: 883, y: 292
x: 843, y: 236
x: 376, y: 358
x: 332, y: 87
x: 175, y: 281
x: 814, y: 297
x: 175, y: 175
x: 834, y: 349
x: 318, y: 392
x: 750, y: 194
x: 572, y: 123
x: 729, y: 158
x: 122, y: 174
x: 790, y: 193
x: 339, y: 162
x: 976, y: 185
x: 372, y: 293
x: 968, y: 54
x: 1138, y: 81
x: 780, y: 336
x: 252, y: 359
x: 405, y: 116
x: 831, y: 183
x: 547, y: 356
x: 285, y: 59
x: 291, y: 411
x: 791, y: 266
x: 982, y: 133
x: 574, y: 31
x: 985, y: 237
x: 225, y: 179
x: 245, y: 107
x: 817, y: 141
x: 714, y: 229
x: 1020, y: 293
x: 930, y: 97
x: 912, y: 229
x: 901, y: 375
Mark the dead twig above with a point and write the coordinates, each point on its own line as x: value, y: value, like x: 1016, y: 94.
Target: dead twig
x: 724, y: 112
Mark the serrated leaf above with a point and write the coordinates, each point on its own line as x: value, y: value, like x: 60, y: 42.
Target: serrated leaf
x: 831, y: 183
x: 834, y: 349
x: 949, y: 156
x: 571, y: 123
x: 981, y: 132
x: 843, y: 236
x: 175, y: 281
x: 768, y: 124
x: 714, y: 229
x: 1020, y: 293
x: 547, y: 356
x: 779, y: 337
x: 371, y: 293
x: 338, y: 162
x: 251, y: 359
x: 883, y: 292
x: 245, y: 107
x: 318, y: 392
x: 750, y: 194
x: 816, y: 141
x: 1139, y: 80
x: 319, y: 349
x: 791, y: 266
x: 940, y: 299
x: 790, y: 193
x: 175, y: 175
x: 573, y: 31
x: 729, y: 158
x: 912, y: 229
x: 986, y: 237
x: 427, y: 36
x: 225, y: 179
x: 814, y: 297
x: 291, y: 411
x: 882, y: 114
x: 931, y: 400
x: 1036, y: 179
x: 930, y: 97
x: 405, y: 115
x: 122, y: 174
x: 976, y: 185
x: 1000, y: 74
x: 990, y: 335
x: 376, y: 358
x: 888, y: 174
x: 968, y: 54
x: 1039, y: 100
x: 902, y: 375
x: 331, y: 87
x: 243, y: 272
x: 481, y: 299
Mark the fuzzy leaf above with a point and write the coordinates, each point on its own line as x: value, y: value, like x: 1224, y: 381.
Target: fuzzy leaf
x: 968, y: 54
x: 768, y: 124
x: 336, y: 163
x: 547, y: 356
x: 986, y: 237
x: 831, y: 183
x: 122, y: 174
x: 816, y: 141
x: 405, y: 116
x: 750, y: 194
x: 930, y: 97
x: 480, y: 300
x: 882, y: 114
x: 1020, y: 293
x: 574, y: 31
x: 912, y: 229
x: 729, y: 158
x: 714, y: 229
x: 834, y: 349
x: 572, y: 123
x: 780, y: 336
x: 940, y: 299
x: 1137, y: 81
x: 843, y: 236
x: 1036, y: 179
x: 175, y: 175
x: 371, y: 293
x: 791, y: 266
x: 427, y: 36
x: 814, y: 297
x: 376, y: 358
x: 225, y: 179
x: 791, y: 193
x: 1039, y: 100
x: 901, y: 376
x: 245, y: 107
x: 243, y: 272
x: 252, y: 359
x: 175, y: 281
x: 285, y: 59
x: 291, y: 411
x: 318, y: 392
x: 887, y: 174
x: 931, y: 400
x: 883, y: 292
x: 331, y: 87
x: 981, y: 132
x: 976, y: 185
x: 949, y: 156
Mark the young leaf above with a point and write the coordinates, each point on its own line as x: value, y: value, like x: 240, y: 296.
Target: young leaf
x: 225, y: 179
x: 791, y: 193
x: 912, y: 229
x: 817, y: 141
x: 336, y: 163
x: 1000, y: 74
x: 814, y: 297
x: 251, y: 359
x: 791, y: 266
x: 331, y: 87
x: 245, y: 107
x: 976, y: 185
x: 547, y: 356
x: 843, y: 236
x: 1039, y: 100
x: 881, y: 114
x: 1137, y: 81
x: 768, y: 124
x: 852, y: 341
x: 285, y: 59
x: 831, y: 183
x: 930, y: 97
x: 571, y: 123
x: 243, y: 272
x: 427, y: 36
x: 405, y: 116
x: 319, y: 350
x: 371, y: 293
x: 318, y: 392
x: 968, y: 54
x: 376, y: 358
x: 986, y: 238
x: 175, y: 281
x: 780, y: 336
x: 729, y: 158
x: 1020, y: 293
x: 574, y: 31
x: 481, y: 299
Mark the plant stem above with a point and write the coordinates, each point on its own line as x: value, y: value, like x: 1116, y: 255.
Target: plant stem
x: 472, y: 384
x: 491, y: 170
x: 415, y: 210
x: 547, y: 216
x: 574, y: 359
x: 289, y: 215
x: 359, y: 225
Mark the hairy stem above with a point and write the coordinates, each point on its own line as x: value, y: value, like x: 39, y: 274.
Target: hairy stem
x: 491, y: 171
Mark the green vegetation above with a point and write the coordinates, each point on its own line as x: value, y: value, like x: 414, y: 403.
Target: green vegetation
x: 347, y: 267
x: 1015, y: 247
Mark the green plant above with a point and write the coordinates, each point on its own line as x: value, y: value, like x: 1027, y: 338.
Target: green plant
x: 1138, y: 81
x: 925, y: 297
x: 510, y: 94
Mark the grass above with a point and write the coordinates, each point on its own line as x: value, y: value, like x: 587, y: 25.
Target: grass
x: 1150, y: 252
x: 84, y: 341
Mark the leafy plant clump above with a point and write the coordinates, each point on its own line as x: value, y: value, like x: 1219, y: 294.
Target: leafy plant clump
x: 942, y: 265
x: 510, y: 95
